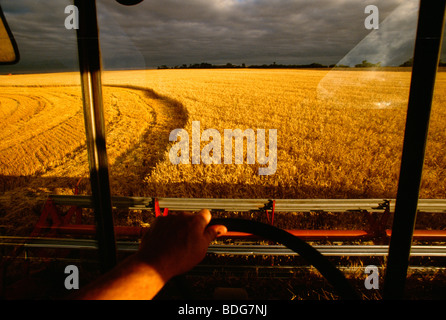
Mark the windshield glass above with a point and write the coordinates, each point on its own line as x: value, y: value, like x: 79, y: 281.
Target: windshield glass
x: 233, y: 99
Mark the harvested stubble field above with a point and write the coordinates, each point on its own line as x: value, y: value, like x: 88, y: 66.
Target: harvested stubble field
x: 339, y: 133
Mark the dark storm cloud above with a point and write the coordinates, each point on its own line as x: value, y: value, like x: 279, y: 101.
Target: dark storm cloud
x: 392, y: 43
x: 175, y: 32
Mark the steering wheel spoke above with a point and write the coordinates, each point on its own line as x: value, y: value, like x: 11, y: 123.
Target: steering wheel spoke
x: 333, y: 275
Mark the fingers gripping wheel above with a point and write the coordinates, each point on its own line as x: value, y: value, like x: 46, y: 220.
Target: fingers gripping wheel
x: 311, y: 255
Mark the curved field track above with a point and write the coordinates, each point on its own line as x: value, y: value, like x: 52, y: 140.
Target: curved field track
x: 43, y: 143
x: 40, y: 126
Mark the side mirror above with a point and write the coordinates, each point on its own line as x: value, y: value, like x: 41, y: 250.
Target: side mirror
x: 9, y: 52
x: 129, y: 2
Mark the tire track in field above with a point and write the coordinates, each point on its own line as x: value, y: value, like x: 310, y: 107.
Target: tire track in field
x: 45, y: 137
x: 129, y: 169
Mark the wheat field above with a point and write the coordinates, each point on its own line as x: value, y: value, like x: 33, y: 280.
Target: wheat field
x: 339, y: 134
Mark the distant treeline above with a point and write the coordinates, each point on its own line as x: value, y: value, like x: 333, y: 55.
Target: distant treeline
x: 409, y: 63
x: 205, y: 65
x: 363, y: 64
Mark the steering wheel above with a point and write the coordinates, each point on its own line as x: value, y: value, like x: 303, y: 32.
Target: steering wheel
x: 334, y: 276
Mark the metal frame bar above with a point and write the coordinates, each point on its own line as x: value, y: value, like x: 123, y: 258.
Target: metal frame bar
x: 90, y: 68
x: 53, y: 221
x: 239, y: 249
x: 243, y: 205
x: 426, y: 58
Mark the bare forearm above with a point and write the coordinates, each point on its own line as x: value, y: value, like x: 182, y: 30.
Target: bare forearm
x: 131, y: 280
x: 183, y: 241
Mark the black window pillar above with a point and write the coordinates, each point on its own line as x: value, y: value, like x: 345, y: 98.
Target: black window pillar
x: 90, y: 68
x: 425, y: 65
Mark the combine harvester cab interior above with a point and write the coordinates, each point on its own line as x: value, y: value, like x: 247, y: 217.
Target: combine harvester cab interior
x: 61, y: 227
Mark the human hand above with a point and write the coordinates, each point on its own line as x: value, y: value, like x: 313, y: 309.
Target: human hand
x: 178, y: 242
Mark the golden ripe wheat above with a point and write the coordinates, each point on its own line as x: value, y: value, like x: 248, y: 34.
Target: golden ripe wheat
x: 340, y: 133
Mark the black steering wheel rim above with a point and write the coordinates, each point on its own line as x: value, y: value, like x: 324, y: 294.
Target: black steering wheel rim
x: 333, y: 275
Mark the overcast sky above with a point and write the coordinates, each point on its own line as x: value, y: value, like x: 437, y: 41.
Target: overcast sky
x: 176, y: 32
